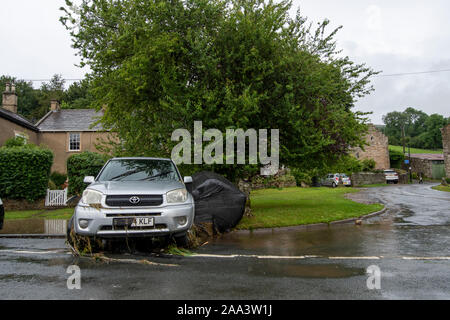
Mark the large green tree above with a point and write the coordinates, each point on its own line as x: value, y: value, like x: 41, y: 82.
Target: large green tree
x: 420, y: 129
x: 161, y: 65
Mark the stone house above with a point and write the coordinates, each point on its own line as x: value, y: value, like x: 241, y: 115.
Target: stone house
x: 377, y: 148
x: 429, y: 165
x: 446, y: 148
x: 64, y: 131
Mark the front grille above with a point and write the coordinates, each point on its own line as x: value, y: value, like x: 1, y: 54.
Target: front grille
x: 124, y: 200
x: 118, y: 215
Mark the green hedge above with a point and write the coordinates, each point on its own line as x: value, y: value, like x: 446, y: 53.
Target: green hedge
x: 81, y: 165
x: 24, y: 172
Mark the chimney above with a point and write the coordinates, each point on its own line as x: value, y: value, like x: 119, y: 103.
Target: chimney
x: 9, y: 99
x: 54, y: 105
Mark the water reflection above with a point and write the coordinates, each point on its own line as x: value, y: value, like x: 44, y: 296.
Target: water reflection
x: 34, y: 226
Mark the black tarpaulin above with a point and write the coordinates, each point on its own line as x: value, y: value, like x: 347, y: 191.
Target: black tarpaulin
x: 217, y: 200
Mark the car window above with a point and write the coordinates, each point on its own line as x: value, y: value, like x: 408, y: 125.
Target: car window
x: 139, y: 170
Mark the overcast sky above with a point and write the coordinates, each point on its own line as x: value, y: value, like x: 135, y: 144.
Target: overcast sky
x: 391, y: 36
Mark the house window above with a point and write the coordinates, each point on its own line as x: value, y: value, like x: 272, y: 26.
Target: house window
x: 74, y: 141
x: 21, y: 135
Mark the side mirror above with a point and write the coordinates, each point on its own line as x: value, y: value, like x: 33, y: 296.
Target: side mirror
x: 187, y: 179
x: 89, y: 179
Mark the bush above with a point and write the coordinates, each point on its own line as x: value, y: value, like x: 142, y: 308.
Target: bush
x: 81, y: 165
x: 346, y: 164
x: 397, y: 158
x: 368, y: 165
x: 301, y: 176
x: 58, y: 179
x: 15, y: 142
x: 24, y: 172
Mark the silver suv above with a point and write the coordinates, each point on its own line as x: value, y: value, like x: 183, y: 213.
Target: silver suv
x: 135, y: 197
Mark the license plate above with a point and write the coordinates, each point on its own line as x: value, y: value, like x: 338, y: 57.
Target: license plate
x: 143, y: 222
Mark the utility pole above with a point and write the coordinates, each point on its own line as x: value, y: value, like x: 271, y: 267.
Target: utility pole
x: 403, y: 138
x: 409, y: 157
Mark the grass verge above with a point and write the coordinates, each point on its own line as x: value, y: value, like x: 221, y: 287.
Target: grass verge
x: 441, y: 188
x: 273, y: 208
x: 65, y: 213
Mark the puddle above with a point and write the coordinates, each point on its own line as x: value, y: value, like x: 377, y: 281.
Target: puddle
x: 307, y: 271
x: 34, y: 226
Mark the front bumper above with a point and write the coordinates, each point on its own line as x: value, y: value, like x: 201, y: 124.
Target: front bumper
x: 100, y: 221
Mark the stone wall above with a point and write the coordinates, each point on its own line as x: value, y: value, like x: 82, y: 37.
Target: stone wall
x: 422, y: 166
x: 446, y: 144
x: 377, y: 149
x: 362, y: 178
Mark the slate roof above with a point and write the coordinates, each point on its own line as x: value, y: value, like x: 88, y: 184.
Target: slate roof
x: 70, y: 120
x: 14, y: 117
x: 427, y: 156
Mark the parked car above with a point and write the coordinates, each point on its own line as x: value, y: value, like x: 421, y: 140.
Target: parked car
x: 331, y: 180
x: 345, y: 180
x: 2, y: 214
x: 135, y: 197
x: 391, y: 176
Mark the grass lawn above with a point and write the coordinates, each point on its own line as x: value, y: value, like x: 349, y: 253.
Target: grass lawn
x: 442, y: 188
x: 299, y: 206
x: 414, y: 150
x: 65, y: 213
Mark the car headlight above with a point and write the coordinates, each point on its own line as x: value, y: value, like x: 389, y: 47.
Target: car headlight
x: 176, y: 196
x: 91, y: 197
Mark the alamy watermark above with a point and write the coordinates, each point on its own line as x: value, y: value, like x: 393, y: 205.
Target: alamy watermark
x: 374, y: 280
x: 74, y: 280
x: 213, y: 153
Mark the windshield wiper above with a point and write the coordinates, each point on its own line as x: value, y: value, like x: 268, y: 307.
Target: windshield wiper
x: 157, y: 175
x: 128, y: 173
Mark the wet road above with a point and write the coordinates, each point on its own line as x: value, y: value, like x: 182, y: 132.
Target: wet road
x: 410, y: 244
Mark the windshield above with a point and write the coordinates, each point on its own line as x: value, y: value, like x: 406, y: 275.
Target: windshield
x: 139, y: 170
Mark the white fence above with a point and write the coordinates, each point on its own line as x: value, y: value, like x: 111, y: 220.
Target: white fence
x: 56, y: 198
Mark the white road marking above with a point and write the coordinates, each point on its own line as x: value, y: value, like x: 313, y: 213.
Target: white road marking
x: 354, y: 258
x: 231, y: 256
x: 426, y: 258
x: 32, y: 252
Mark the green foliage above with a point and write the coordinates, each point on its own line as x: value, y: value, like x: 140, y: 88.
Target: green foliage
x: 27, y: 96
x: 368, y: 165
x: 161, y: 65
x: 24, y: 172
x: 58, y: 178
x: 81, y: 165
x: 301, y: 176
x: 396, y: 158
x: 15, y: 142
x: 420, y: 129
x: 346, y: 164
x: 77, y: 96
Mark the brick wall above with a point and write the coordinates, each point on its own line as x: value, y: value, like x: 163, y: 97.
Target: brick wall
x: 446, y: 143
x: 377, y: 149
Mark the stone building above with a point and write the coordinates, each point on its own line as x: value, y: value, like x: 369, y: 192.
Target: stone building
x: 446, y: 145
x: 429, y: 165
x: 11, y: 123
x: 64, y: 131
x: 377, y: 148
